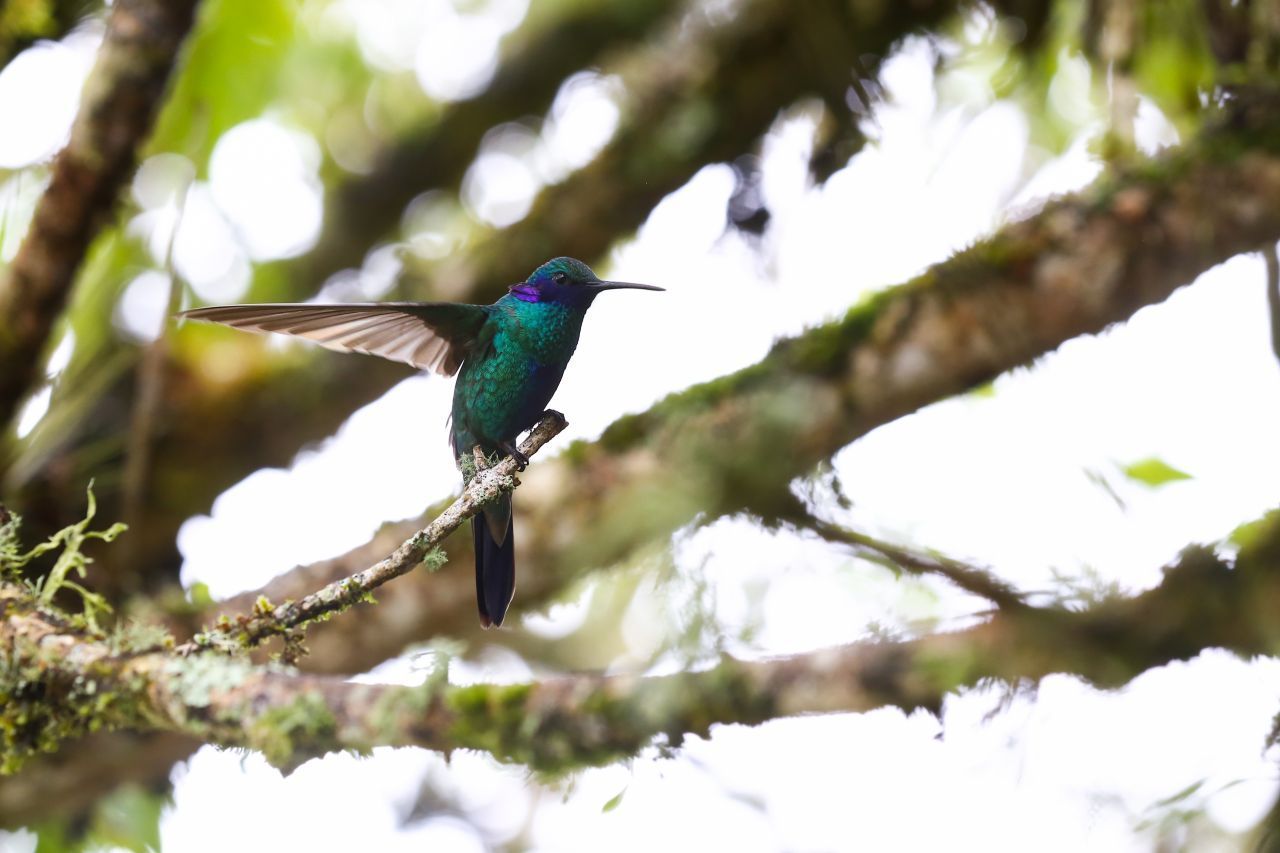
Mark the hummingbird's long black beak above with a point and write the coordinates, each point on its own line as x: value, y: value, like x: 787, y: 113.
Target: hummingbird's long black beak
x: 622, y: 285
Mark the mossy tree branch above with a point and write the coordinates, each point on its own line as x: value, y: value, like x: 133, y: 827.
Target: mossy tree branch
x: 120, y: 103
x: 80, y: 682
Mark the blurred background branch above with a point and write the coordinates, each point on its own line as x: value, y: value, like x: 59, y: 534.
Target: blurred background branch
x: 557, y: 724
x: 133, y: 66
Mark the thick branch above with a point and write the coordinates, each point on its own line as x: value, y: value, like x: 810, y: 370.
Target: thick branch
x: 120, y: 102
x: 1204, y: 601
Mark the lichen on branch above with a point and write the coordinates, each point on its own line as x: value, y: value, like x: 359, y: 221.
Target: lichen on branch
x: 73, y: 682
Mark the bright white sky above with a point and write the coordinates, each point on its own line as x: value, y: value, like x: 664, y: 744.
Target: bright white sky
x: 1008, y: 480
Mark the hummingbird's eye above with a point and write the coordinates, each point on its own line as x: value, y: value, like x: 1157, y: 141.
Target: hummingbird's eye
x: 559, y: 278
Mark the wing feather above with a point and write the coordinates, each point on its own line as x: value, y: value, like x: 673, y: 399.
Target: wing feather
x: 435, y: 336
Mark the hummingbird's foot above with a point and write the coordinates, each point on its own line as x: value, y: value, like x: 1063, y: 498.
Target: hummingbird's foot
x: 522, y: 461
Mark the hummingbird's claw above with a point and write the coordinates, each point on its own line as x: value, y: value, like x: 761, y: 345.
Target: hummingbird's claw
x: 522, y: 461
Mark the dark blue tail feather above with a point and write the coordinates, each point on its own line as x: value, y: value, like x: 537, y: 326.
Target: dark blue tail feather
x: 495, y: 570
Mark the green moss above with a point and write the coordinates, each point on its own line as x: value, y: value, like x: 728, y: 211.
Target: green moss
x: 1259, y: 544
x: 631, y: 430
x: 492, y: 717
x: 820, y: 351
x: 287, y: 734
x: 435, y: 559
x: 40, y: 707
x: 10, y: 547
x: 26, y: 19
x: 69, y: 543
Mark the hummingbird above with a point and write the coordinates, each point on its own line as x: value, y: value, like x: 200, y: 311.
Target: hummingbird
x: 509, y: 358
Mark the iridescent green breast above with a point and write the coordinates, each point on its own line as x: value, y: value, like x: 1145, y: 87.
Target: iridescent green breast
x: 545, y: 331
x: 505, y: 388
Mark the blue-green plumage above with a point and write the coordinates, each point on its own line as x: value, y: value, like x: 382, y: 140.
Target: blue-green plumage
x: 512, y: 355
x: 505, y: 387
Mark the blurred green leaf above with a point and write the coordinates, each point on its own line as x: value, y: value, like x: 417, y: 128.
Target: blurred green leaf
x: 128, y: 819
x: 1186, y: 792
x: 230, y: 74
x: 1173, y: 63
x: 1154, y: 472
x: 613, y: 803
x: 199, y: 594
x: 985, y: 391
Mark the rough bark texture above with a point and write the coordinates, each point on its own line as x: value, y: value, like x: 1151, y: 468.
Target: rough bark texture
x: 561, y: 723
x: 120, y: 102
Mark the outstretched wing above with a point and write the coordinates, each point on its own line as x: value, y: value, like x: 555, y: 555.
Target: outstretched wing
x: 435, y: 336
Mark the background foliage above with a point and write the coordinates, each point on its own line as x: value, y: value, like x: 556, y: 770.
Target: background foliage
x: 778, y: 166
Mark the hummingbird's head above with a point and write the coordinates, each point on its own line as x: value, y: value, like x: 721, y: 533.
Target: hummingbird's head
x: 568, y: 280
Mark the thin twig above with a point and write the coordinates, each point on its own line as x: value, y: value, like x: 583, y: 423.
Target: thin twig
x: 978, y: 581
x: 484, y: 487
x: 150, y: 385
x: 1273, y: 293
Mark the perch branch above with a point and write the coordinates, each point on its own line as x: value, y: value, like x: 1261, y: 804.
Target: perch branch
x: 268, y: 620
